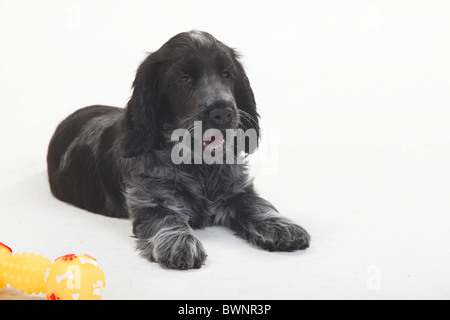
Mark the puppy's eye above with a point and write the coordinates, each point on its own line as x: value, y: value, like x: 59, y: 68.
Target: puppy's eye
x: 185, y: 79
x: 226, y: 74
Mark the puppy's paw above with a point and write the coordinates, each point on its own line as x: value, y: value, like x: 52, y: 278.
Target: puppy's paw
x: 186, y: 252
x: 279, y: 234
x: 180, y: 251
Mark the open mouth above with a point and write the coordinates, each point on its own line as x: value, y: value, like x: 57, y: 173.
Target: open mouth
x: 213, y: 141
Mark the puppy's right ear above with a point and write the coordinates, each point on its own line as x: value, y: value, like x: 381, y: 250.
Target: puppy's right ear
x: 141, y: 128
x: 245, y: 101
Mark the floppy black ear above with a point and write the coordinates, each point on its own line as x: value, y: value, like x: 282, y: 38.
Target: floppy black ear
x: 245, y: 101
x: 142, y: 132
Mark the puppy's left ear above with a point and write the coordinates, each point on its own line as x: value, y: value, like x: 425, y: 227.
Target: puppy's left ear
x: 142, y: 132
x: 245, y: 101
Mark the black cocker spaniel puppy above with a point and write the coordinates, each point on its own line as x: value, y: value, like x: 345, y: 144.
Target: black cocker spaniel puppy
x: 119, y: 162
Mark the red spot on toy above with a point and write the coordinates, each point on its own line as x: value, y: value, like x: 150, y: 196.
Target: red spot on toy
x: 5, y: 246
x: 52, y: 297
x: 67, y: 257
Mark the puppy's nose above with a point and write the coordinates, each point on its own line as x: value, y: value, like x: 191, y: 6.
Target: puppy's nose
x: 221, y: 116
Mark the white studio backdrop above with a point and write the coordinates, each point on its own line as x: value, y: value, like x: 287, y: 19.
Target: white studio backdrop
x: 355, y: 104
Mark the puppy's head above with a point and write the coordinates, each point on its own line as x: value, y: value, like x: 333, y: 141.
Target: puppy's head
x: 192, y: 77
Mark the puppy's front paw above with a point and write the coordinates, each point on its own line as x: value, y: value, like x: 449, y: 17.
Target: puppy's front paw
x: 185, y: 253
x: 180, y: 251
x: 279, y: 234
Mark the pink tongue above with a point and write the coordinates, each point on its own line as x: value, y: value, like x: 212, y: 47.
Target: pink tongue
x: 213, y: 145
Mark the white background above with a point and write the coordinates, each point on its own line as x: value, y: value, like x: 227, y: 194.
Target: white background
x: 354, y: 98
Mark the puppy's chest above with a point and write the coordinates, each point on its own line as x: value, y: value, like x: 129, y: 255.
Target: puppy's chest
x: 217, y: 184
x: 206, y: 201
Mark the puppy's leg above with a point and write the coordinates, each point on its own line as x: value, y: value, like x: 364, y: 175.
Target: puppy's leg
x: 164, y: 236
x: 257, y: 221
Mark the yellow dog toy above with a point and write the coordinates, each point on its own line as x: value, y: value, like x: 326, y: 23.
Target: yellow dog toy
x: 70, y: 277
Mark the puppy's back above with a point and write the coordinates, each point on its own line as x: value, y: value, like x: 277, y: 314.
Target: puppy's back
x: 80, y: 164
